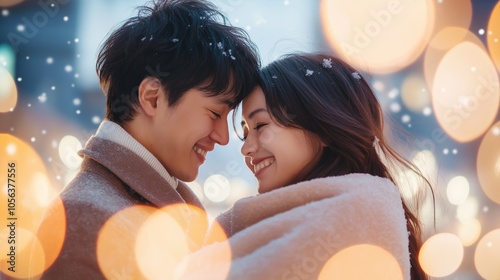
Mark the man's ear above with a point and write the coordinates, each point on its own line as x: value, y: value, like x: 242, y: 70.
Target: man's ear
x: 149, y: 93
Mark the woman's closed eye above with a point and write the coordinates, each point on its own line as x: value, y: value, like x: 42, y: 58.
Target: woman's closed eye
x: 259, y: 125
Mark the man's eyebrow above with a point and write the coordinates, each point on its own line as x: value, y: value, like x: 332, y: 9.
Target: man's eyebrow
x: 226, y: 101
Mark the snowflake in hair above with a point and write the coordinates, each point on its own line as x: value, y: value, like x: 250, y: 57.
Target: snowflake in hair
x: 327, y: 63
x: 356, y: 75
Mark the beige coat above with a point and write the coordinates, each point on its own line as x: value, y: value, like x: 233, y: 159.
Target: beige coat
x: 112, y: 178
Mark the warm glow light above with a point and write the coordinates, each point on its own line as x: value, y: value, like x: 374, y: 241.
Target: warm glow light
x: 68, y: 148
x: 493, y: 38
x: 441, y: 254
x: 161, y: 245
x: 440, y: 44
x: 8, y: 91
x: 116, y: 243
x: 465, y: 94
x: 32, y: 190
x: 415, y: 94
x: 375, y: 35
x: 468, y: 210
x: 9, y: 3
x: 362, y: 262
x: 487, y: 255
x: 458, y: 190
x: 469, y: 231
x: 25, y: 243
x: 411, y: 184
x: 461, y: 15
x: 216, y: 188
x: 50, y: 236
x: 488, y: 163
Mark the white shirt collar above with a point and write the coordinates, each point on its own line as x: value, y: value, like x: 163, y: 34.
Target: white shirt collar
x: 112, y: 131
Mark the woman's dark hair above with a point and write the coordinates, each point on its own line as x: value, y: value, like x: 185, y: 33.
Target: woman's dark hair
x: 326, y: 96
x: 185, y: 44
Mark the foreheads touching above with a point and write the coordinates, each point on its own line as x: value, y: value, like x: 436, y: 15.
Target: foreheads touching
x: 185, y: 44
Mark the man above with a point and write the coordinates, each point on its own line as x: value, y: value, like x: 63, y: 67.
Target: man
x: 171, y: 75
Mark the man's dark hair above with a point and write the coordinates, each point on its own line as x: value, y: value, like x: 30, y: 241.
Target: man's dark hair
x: 185, y: 44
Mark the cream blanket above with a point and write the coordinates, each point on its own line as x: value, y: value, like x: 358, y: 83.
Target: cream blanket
x: 346, y: 226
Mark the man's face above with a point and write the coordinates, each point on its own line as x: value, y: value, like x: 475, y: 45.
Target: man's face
x: 183, y: 135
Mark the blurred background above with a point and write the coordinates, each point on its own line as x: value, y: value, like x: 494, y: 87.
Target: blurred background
x: 434, y: 65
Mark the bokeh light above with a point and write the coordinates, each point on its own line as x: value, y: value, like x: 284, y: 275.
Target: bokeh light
x: 440, y: 44
x: 468, y: 210
x: 469, y: 232
x: 8, y: 91
x: 9, y: 3
x: 441, y: 254
x: 364, y: 32
x: 414, y: 93
x: 363, y: 261
x: 216, y: 188
x: 410, y: 183
x: 116, y: 260
x: 50, y: 238
x: 27, y: 245
x: 30, y: 181
x: 487, y: 255
x: 457, y: 190
x: 488, y: 163
x: 68, y: 148
x: 162, y: 244
x: 466, y: 107
x: 494, y: 35
x: 461, y: 16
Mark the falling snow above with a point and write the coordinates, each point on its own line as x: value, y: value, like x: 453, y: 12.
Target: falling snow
x: 20, y: 28
x: 50, y: 60
x: 65, y: 18
x: 68, y: 68
x: 356, y: 75
x: 5, y: 12
x: 77, y: 101
x: 395, y: 107
x: 405, y: 118
x: 42, y: 98
x: 327, y: 63
x: 309, y: 72
x: 393, y: 93
x: 427, y: 111
x: 175, y: 40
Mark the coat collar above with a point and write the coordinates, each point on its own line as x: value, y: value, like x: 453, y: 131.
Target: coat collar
x: 138, y: 174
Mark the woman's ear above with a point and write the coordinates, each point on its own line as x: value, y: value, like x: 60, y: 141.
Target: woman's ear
x: 149, y: 92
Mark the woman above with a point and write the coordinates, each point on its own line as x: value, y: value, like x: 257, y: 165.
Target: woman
x: 313, y: 133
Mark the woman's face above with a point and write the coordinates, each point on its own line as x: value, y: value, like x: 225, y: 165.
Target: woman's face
x: 278, y: 156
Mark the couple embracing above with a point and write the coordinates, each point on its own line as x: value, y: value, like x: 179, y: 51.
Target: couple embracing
x: 313, y: 137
